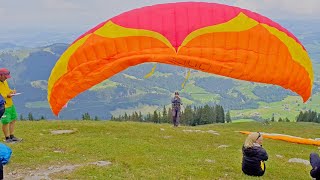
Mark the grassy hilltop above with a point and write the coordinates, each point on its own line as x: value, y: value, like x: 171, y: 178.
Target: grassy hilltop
x: 152, y: 151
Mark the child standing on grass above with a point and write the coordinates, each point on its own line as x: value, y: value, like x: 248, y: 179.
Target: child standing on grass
x: 254, y: 155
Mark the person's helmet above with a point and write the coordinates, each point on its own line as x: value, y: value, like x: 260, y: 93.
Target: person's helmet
x: 176, y: 93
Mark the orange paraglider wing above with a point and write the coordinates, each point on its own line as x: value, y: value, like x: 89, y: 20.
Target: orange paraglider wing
x: 209, y: 37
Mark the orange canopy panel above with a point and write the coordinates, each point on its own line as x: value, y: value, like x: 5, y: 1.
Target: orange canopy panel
x: 288, y: 138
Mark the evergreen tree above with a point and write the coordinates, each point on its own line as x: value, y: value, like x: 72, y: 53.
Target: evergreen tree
x: 314, y: 116
x: 149, y: 118
x: 136, y: 116
x: 96, y: 118
x: 198, y: 116
x: 140, y: 117
x: 223, y: 118
x: 30, y: 117
x: 287, y: 120
x: 205, y: 116
x: 86, y: 116
x: 42, y: 118
x: 169, y: 119
x: 219, y: 114
x: 188, y: 116
x: 300, y: 116
x: 164, y: 115
x: 280, y: 120
x: 159, y: 117
x: 214, y: 114
x: 272, y: 118
x: 21, y: 117
x: 309, y: 116
x: 228, y: 117
x: 305, y: 117
x: 211, y: 115
x: 155, y: 117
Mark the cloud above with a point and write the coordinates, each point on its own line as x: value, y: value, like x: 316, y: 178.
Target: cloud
x: 84, y: 14
x: 61, y: 4
x: 284, y: 9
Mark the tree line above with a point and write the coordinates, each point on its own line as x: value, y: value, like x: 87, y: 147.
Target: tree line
x: 308, y: 116
x: 31, y: 117
x: 190, y: 116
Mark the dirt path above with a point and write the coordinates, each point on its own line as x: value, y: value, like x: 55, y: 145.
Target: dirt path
x: 42, y: 173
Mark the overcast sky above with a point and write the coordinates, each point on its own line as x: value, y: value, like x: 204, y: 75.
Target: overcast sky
x: 65, y: 15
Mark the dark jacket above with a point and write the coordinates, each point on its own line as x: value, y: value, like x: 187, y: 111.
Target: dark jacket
x: 176, y: 103
x: 253, y: 160
x: 315, y: 163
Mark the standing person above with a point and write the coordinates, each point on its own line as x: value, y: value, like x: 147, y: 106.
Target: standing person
x: 254, y: 155
x: 10, y: 115
x: 315, y: 163
x: 176, y: 109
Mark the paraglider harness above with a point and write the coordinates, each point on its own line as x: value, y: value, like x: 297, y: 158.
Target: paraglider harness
x: 2, y: 106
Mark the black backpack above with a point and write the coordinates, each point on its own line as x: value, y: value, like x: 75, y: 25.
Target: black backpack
x: 176, y: 102
x: 2, y: 106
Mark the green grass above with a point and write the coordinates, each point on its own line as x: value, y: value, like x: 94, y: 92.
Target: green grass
x: 246, y: 88
x: 107, y: 84
x: 199, y: 93
x: 289, y: 107
x: 242, y: 120
x: 37, y: 104
x: 155, y: 151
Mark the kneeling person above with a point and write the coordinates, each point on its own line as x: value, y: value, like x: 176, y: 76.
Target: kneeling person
x: 254, y: 155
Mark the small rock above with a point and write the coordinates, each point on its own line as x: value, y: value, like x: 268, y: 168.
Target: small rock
x: 102, y: 163
x: 12, y: 173
x: 62, y: 132
x: 213, y: 132
x: 223, y: 146
x: 298, y: 160
x: 210, y: 161
x: 161, y: 129
x: 58, y: 151
x: 279, y: 156
x: 167, y: 137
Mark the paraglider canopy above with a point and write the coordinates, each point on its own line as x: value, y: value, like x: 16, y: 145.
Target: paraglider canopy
x: 209, y: 37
